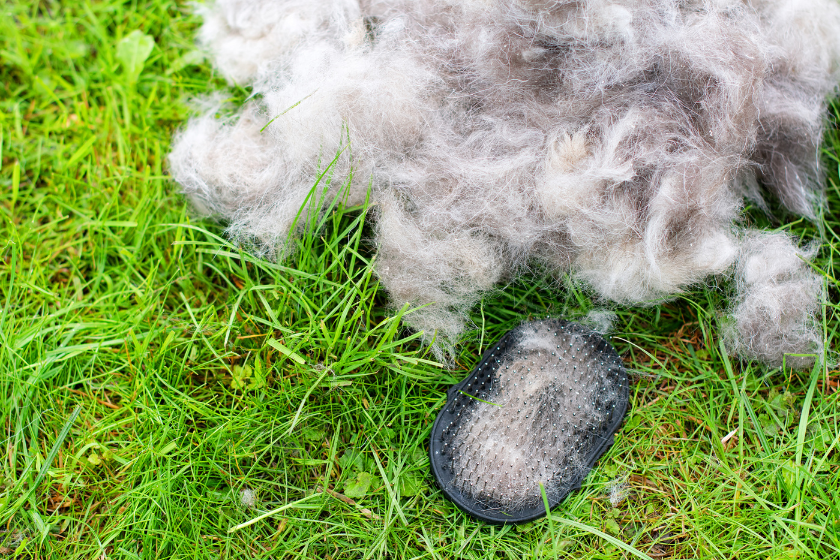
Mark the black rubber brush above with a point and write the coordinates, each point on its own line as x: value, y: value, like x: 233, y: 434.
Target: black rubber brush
x: 536, y: 413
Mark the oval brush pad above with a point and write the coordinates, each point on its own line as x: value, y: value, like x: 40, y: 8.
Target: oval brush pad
x: 540, y: 408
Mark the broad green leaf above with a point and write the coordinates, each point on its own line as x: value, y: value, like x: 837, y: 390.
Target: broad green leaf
x: 633, y: 422
x: 132, y: 52
x: 611, y: 525
x: 821, y: 436
x: 241, y: 375
x: 410, y: 485
x: 311, y: 434
x: 358, y: 486
x: 768, y: 425
x: 351, y: 459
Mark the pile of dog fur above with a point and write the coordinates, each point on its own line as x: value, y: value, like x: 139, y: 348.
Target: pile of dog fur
x: 613, y: 139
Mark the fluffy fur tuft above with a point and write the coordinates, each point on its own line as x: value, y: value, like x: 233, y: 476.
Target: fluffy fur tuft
x: 612, y: 139
x: 778, y: 297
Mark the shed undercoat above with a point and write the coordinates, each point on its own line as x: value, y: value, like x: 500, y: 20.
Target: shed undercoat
x: 613, y: 140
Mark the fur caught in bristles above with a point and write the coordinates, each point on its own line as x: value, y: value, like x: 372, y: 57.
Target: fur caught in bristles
x: 533, y: 417
x: 613, y: 139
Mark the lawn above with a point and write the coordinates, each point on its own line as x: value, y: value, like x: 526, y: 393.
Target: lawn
x: 164, y: 394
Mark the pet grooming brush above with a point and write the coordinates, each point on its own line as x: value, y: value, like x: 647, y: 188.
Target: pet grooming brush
x: 536, y: 413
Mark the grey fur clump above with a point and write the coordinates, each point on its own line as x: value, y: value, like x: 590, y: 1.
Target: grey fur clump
x: 778, y: 298
x: 613, y: 140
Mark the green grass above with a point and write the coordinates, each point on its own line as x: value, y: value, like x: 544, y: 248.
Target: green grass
x: 165, y: 395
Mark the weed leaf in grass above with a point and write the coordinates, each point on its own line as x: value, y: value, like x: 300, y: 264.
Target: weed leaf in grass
x: 247, y: 378
x: 360, y: 485
x: 768, y: 425
x: 821, y: 436
x: 311, y: 434
x: 351, y: 459
x: 410, y: 485
x: 132, y: 52
x: 612, y: 527
x: 241, y: 377
x: 784, y: 405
